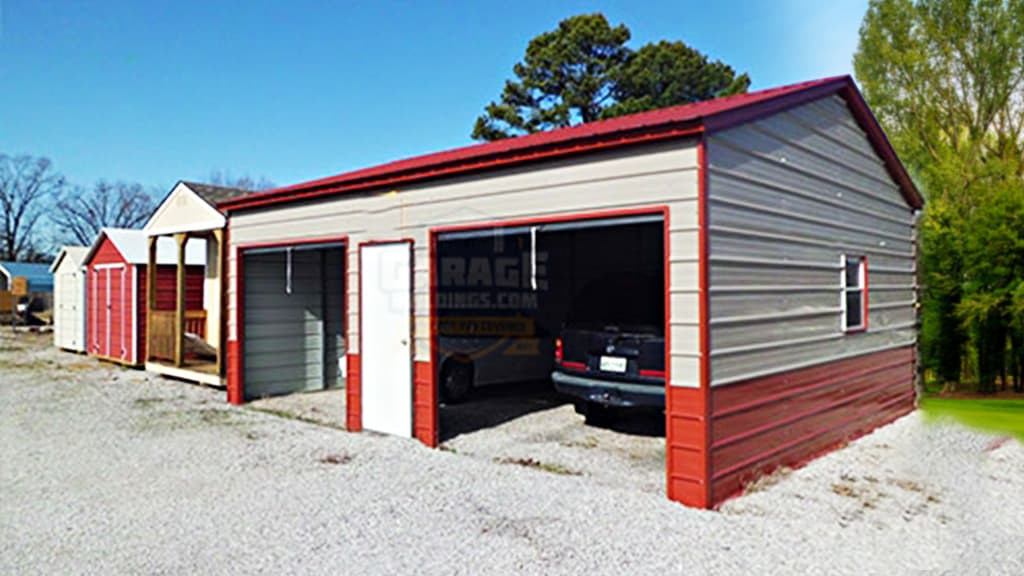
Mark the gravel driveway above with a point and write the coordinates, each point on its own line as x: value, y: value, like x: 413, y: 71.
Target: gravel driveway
x: 107, y: 470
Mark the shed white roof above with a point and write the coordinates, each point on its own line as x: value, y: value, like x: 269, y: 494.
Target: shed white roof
x: 75, y: 254
x: 133, y: 245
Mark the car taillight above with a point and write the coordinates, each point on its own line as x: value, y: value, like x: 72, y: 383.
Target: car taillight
x: 558, y: 350
x: 653, y: 373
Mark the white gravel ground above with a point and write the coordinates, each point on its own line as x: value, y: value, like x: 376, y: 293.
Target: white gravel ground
x: 105, y: 470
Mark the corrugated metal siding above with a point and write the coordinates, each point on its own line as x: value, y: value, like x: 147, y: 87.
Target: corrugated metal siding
x: 637, y: 177
x: 787, y: 195
x: 789, y: 418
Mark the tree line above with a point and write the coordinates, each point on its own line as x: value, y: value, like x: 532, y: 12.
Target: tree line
x: 42, y: 210
x: 946, y: 80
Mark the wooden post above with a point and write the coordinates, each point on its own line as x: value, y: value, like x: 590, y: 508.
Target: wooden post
x: 150, y: 294
x: 179, y: 309
x: 218, y: 236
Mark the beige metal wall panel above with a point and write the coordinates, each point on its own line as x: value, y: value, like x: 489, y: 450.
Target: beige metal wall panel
x: 663, y: 174
x: 787, y: 196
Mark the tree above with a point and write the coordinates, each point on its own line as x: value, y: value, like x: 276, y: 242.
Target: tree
x: 946, y: 79
x: 583, y: 71
x: 243, y: 182
x: 79, y: 215
x: 669, y: 73
x: 26, y: 185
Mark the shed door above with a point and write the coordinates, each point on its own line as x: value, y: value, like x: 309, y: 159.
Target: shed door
x: 385, y: 312
x: 68, y: 323
x: 284, y: 322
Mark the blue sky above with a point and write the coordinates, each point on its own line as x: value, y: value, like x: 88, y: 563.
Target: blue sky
x: 159, y: 91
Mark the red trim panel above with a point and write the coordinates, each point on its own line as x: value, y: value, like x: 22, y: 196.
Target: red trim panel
x: 424, y: 404
x: 686, y: 409
x: 353, y: 394
x: 686, y: 451
x: 787, y: 419
x: 234, y: 377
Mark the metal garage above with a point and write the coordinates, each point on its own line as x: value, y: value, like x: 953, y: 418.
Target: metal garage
x: 776, y: 207
x: 293, y: 305
x: 69, y: 309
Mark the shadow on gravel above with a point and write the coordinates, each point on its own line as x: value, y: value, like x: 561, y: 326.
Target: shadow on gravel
x: 492, y: 406
x: 647, y: 423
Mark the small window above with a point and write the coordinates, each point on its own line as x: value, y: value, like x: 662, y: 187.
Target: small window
x: 854, y: 300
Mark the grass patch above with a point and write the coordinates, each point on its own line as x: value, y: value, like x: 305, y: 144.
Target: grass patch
x: 146, y: 403
x: 81, y: 366
x: 26, y: 365
x: 336, y: 459
x: 538, y: 465
x: 766, y: 481
x: 994, y: 415
x: 165, y: 420
x: 587, y: 442
x: 293, y: 416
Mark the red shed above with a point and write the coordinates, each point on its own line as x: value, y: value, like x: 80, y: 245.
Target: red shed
x: 116, y: 291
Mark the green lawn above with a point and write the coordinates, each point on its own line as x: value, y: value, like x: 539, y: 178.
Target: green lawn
x: 1006, y: 416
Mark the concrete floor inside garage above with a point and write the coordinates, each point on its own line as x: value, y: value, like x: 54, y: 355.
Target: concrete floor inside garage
x: 516, y: 416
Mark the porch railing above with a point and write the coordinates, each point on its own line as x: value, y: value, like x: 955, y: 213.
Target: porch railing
x: 162, y: 335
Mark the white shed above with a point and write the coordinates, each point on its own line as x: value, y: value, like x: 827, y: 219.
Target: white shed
x: 69, y: 307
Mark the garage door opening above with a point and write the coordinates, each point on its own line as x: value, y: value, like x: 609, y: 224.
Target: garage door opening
x: 293, y: 313
x: 583, y: 300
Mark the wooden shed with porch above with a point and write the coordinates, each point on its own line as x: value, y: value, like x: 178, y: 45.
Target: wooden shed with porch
x: 188, y: 218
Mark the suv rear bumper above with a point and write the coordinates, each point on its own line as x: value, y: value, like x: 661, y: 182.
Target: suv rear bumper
x: 610, y: 392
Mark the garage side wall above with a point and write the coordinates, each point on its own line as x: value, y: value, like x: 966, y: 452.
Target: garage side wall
x: 788, y: 196
x: 655, y: 175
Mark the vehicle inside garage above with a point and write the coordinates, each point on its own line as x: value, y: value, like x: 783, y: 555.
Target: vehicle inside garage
x: 293, y: 300
x: 581, y: 299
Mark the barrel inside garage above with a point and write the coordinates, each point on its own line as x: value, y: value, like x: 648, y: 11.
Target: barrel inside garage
x: 293, y: 311
x: 518, y: 303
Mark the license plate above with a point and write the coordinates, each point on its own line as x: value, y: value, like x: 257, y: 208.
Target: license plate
x: 613, y: 364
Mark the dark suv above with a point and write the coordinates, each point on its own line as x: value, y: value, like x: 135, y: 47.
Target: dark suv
x: 611, y: 350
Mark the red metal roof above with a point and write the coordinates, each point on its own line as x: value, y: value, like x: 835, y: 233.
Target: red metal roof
x: 673, y: 122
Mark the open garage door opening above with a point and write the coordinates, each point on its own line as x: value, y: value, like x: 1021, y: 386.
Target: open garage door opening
x: 556, y: 328
x: 294, y: 319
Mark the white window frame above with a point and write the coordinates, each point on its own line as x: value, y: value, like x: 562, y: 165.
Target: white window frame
x: 862, y: 287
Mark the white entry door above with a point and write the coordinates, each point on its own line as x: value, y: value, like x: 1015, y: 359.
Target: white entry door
x: 385, y: 313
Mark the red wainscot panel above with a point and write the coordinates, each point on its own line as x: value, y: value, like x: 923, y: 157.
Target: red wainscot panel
x: 353, y: 394
x: 686, y: 447
x: 790, y: 418
x: 234, y: 376
x: 424, y: 404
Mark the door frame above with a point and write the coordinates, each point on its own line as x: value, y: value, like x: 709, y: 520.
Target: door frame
x: 412, y: 325
x: 236, y: 388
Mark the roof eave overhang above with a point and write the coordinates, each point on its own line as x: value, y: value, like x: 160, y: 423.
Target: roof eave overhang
x: 843, y: 86
x: 472, y: 165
